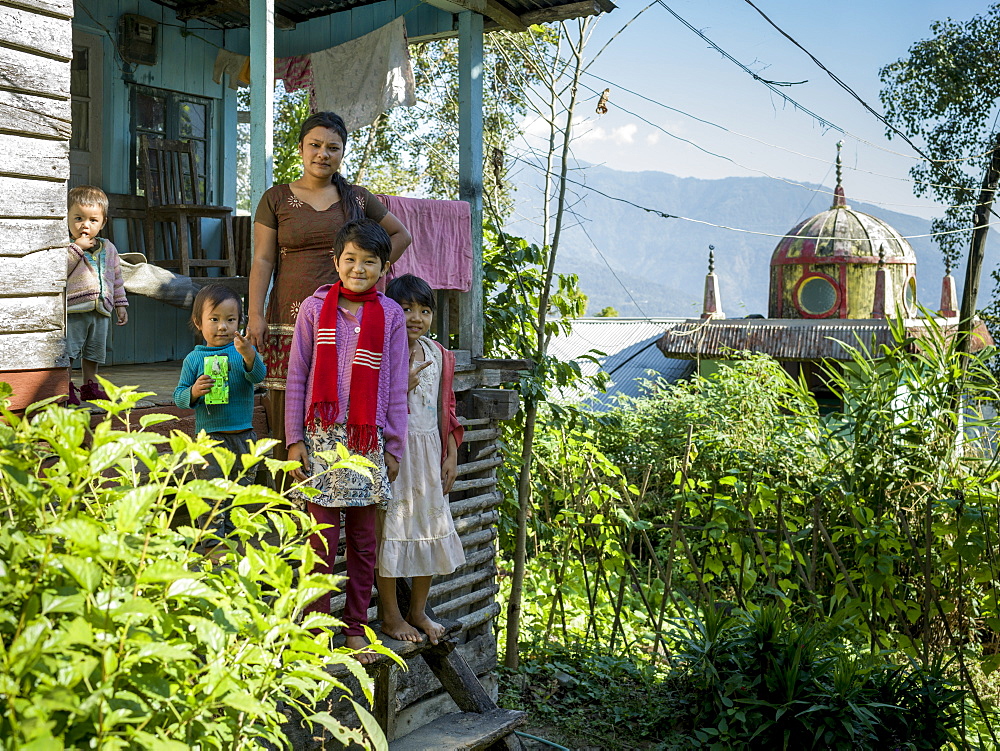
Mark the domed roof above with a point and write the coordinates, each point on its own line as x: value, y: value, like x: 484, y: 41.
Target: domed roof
x: 840, y: 233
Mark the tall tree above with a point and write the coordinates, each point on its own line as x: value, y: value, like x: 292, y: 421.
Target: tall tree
x: 945, y: 93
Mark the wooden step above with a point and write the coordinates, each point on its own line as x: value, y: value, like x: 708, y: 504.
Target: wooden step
x: 462, y: 731
x: 404, y: 649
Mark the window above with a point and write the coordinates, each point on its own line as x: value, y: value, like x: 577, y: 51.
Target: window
x: 817, y: 296
x: 159, y: 113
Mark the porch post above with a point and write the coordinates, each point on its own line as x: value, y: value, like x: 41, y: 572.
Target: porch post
x: 470, y: 169
x: 261, y: 98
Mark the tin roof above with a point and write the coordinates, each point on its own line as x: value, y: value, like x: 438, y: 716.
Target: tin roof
x: 630, y: 354
x: 786, y: 339
x: 512, y: 14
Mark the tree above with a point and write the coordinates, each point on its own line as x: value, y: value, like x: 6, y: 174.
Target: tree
x: 608, y: 312
x: 945, y: 93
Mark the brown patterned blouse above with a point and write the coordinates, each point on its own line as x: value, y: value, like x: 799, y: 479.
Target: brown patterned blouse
x: 303, y: 263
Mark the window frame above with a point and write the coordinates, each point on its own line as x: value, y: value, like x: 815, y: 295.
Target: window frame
x: 173, y: 100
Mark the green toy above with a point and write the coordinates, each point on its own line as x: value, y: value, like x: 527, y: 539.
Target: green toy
x: 217, y: 367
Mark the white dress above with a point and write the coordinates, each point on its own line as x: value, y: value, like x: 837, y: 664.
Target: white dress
x: 418, y: 535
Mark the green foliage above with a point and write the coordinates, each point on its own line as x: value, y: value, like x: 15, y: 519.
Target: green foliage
x: 944, y: 94
x: 613, y: 701
x: 115, y: 633
x: 762, y: 680
x: 735, y: 418
x: 608, y: 312
x: 877, y: 520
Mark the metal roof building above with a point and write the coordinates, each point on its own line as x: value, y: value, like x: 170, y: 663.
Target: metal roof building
x: 630, y: 354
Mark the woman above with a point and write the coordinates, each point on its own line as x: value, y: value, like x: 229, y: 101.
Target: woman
x: 294, y: 228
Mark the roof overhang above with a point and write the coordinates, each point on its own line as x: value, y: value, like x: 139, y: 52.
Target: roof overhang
x: 800, y: 340
x: 514, y: 15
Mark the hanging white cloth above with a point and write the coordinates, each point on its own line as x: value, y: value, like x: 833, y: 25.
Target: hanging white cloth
x: 362, y: 78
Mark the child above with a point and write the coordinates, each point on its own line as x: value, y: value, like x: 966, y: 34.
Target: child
x: 347, y: 375
x: 418, y: 535
x: 216, y: 316
x: 94, y: 288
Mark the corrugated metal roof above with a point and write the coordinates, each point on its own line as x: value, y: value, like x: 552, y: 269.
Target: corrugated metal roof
x: 788, y: 339
x: 235, y: 14
x: 630, y: 354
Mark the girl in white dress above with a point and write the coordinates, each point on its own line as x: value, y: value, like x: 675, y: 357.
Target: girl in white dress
x: 417, y: 535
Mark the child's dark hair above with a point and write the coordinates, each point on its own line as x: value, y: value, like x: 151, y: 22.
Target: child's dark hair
x: 88, y: 195
x: 349, y: 198
x: 368, y: 235
x: 213, y: 295
x: 410, y: 288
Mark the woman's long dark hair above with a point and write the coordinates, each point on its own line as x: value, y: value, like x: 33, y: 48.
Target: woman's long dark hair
x: 349, y: 197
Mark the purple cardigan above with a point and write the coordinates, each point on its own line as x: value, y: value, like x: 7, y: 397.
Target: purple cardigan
x: 390, y: 411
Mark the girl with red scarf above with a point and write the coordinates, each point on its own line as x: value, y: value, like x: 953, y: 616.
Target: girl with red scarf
x: 347, y: 378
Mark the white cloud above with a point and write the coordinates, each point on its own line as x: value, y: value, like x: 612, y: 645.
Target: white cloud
x: 653, y: 138
x: 625, y: 134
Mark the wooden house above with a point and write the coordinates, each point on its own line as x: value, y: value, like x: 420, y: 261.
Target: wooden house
x: 81, y: 81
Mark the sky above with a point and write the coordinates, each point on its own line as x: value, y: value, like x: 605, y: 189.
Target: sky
x: 657, y: 57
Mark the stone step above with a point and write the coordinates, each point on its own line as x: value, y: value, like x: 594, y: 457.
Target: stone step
x: 462, y: 731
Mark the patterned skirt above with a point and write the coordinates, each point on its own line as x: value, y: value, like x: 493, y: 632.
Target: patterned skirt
x: 340, y: 487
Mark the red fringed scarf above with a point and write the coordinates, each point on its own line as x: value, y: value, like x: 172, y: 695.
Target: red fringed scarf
x: 362, y: 433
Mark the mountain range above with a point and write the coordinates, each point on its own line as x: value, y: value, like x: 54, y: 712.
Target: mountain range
x: 643, y: 264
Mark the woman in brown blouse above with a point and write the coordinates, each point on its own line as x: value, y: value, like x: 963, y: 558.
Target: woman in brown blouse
x: 294, y: 228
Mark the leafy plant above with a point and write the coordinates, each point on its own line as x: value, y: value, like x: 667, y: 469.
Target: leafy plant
x: 761, y: 679
x: 114, y: 633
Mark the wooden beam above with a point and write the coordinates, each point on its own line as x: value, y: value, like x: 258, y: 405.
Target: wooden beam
x: 470, y: 170
x: 240, y: 7
x: 565, y: 12
x: 491, y: 9
x: 261, y: 99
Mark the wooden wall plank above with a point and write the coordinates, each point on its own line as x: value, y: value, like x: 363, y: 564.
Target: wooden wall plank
x: 20, y: 237
x: 59, y: 8
x: 36, y: 274
x: 40, y: 349
x: 33, y: 199
x: 34, y: 157
x: 22, y: 71
x: 25, y: 314
x: 34, y: 115
x: 33, y: 32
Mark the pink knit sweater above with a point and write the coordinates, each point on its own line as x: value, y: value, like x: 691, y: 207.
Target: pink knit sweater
x: 88, y: 290
x: 390, y: 409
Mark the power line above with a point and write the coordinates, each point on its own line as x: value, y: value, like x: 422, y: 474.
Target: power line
x: 841, y: 83
x: 665, y: 215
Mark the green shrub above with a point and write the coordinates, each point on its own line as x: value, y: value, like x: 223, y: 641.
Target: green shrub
x: 114, y: 634
x: 762, y: 680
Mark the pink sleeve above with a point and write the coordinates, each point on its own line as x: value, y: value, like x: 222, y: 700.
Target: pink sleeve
x: 299, y: 364
x: 450, y: 423
x: 399, y: 373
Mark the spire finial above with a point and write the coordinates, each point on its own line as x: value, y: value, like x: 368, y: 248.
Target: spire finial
x: 711, y: 259
x: 838, y: 192
x: 881, y: 256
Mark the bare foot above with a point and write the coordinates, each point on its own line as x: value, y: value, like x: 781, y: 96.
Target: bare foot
x: 400, y: 629
x: 363, y: 654
x: 433, y: 629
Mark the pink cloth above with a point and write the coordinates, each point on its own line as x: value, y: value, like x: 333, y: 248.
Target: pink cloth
x: 441, y: 253
x: 390, y: 410
x: 295, y: 72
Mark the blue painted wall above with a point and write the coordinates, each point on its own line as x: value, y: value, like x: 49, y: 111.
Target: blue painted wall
x: 186, y: 58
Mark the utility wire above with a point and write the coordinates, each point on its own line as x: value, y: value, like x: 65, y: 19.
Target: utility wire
x: 665, y: 215
x: 841, y: 83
